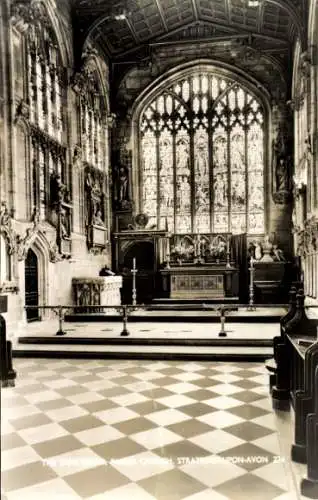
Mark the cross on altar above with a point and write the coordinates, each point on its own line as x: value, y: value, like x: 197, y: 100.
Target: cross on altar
x: 134, y: 291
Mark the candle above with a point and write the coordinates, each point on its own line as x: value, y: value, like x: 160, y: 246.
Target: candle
x: 134, y: 263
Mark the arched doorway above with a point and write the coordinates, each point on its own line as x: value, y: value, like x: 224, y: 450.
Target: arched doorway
x: 144, y: 254
x: 31, y: 285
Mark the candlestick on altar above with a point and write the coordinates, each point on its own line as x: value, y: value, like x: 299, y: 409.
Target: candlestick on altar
x: 251, y: 288
x: 168, y: 261
x: 134, y: 291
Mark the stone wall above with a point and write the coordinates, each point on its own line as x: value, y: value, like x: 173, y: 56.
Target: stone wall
x: 56, y: 270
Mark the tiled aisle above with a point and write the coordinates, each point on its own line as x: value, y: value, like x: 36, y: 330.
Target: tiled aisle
x: 114, y: 430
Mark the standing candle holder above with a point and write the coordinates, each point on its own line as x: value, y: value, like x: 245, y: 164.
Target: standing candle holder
x: 251, y: 306
x: 228, y: 254
x: 134, y: 291
x: 168, y: 261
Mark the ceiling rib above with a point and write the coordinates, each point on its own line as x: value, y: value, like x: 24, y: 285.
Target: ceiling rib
x: 132, y: 30
x: 160, y: 9
x: 261, y: 9
x: 195, y: 10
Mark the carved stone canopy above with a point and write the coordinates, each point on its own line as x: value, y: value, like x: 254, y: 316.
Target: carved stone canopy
x: 307, y: 237
x: 28, y: 12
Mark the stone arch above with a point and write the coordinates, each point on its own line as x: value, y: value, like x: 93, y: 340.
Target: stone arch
x: 92, y: 65
x: 40, y: 246
x: 158, y: 85
x: 62, y: 39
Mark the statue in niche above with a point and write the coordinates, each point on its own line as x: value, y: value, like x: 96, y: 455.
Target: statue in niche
x: 122, y: 187
x: 281, y: 162
x: 282, y: 177
x: 5, y: 218
x: 64, y: 224
x: 57, y: 189
x: 94, y: 200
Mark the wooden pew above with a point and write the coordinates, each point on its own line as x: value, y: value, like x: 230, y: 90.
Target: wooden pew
x: 297, y: 325
x: 304, y: 362
x: 271, y: 364
x: 309, y: 485
x: 8, y: 375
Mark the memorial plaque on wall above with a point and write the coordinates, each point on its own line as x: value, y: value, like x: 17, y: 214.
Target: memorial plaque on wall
x: 98, y: 236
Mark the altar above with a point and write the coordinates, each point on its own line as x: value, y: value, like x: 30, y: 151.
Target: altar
x: 200, y: 267
x: 200, y: 282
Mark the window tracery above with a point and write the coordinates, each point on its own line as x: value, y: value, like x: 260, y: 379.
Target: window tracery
x: 202, y: 142
x: 94, y: 150
x: 47, y: 87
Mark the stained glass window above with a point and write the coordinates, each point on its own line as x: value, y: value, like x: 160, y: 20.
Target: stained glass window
x: 202, y: 157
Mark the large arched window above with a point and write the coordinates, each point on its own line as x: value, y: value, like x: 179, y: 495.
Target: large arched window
x: 202, y: 157
x: 47, y: 95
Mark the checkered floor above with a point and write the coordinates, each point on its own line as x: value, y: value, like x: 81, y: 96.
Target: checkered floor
x: 113, y: 430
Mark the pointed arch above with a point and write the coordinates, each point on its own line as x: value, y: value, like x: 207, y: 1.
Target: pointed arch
x: 39, y: 244
x: 177, y: 147
x: 62, y: 39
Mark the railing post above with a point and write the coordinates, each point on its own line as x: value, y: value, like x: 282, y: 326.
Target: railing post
x: 125, y: 332
x: 222, y: 332
x: 59, y: 311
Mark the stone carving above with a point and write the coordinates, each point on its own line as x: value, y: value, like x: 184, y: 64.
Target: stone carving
x: 58, y: 190
x: 27, y: 13
x: 307, y: 238
x: 282, y: 166
x: 266, y: 250
x: 121, y: 188
x: 23, y: 242
x: 61, y: 213
x: 95, y: 216
x: 140, y: 223
x: 77, y: 156
x: 54, y: 252
x: 7, y: 229
x: 22, y: 112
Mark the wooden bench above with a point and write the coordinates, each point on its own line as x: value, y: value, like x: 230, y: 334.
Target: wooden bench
x: 8, y: 375
x: 309, y: 485
x: 294, y: 323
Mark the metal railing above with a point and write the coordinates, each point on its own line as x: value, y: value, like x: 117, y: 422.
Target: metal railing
x: 125, y: 309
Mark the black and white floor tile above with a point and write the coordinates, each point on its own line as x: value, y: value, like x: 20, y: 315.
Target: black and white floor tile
x: 113, y: 430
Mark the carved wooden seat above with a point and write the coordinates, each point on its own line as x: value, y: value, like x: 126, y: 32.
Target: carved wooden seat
x: 304, y: 403
x: 271, y: 364
x: 309, y: 485
x: 8, y: 375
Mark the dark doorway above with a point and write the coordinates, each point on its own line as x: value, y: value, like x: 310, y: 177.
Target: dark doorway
x: 144, y: 254
x: 31, y: 285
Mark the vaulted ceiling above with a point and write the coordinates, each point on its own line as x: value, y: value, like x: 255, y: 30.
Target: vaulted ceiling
x: 154, y: 20
x: 164, y: 28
